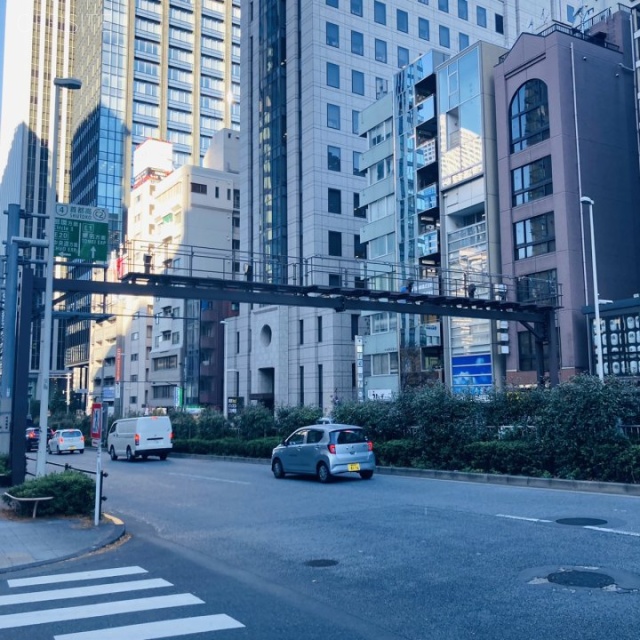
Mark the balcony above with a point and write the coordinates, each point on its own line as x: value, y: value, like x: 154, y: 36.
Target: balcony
x: 426, y: 110
x: 426, y: 154
x: 427, y: 198
x: 428, y: 244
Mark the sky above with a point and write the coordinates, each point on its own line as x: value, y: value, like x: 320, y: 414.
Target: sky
x: 2, y: 8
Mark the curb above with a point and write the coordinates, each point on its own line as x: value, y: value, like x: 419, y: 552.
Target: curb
x: 589, y: 486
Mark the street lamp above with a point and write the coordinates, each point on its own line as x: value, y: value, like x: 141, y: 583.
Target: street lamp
x: 72, y: 84
x: 596, y: 295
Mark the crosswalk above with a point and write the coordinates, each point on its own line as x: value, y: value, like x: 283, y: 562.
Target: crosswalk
x: 106, y: 590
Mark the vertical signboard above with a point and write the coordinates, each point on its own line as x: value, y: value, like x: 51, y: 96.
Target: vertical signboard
x: 359, y: 344
x: 96, y: 423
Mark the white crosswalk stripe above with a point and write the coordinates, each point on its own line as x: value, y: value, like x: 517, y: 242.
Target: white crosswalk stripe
x: 105, y: 585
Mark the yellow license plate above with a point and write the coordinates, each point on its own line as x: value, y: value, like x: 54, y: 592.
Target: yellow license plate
x: 353, y: 467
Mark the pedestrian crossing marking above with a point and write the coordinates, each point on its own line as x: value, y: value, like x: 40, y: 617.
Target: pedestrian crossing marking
x: 97, y: 610
x: 81, y: 592
x: 77, y: 576
x: 157, y: 630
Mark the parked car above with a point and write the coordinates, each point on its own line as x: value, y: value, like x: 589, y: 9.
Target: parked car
x: 325, y: 450
x: 69, y: 440
x: 32, y: 438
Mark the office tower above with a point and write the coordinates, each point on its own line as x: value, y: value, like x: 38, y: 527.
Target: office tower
x: 308, y: 71
x: 168, y: 70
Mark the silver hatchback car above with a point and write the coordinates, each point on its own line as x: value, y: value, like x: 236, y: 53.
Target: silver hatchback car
x: 325, y: 450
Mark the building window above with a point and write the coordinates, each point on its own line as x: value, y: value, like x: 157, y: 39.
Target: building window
x: 335, y: 280
x: 463, y: 9
x: 134, y: 357
x: 403, y: 57
x: 333, y: 116
x: 319, y: 327
x: 357, y: 43
x: 499, y: 23
x: 357, y: 82
x: 382, y: 87
x: 443, y: 5
x: 381, y: 50
x: 198, y: 188
x: 354, y: 325
x: 301, y: 386
x: 355, y: 121
x: 333, y: 158
x: 357, y: 161
x: 335, y: 201
x: 356, y: 7
x: 333, y: 75
x: 534, y: 236
x: 540, y: 287
x: 333, y: 3
x: 527, y: 352
x: 463, y: 41
x: 333, y: 34
x: 529, y: 115
x: 423, y: 28
x: 379, y: 12
x: 532, y: 181
x: 481, y: 16
x: 359, y: 248
x: 384, y: 364
x: 301, y: 331
x: 358, y: 211
x: 402, y: 21
x: 335, y: 243
x: 320, y: 385
x: 445, y: 38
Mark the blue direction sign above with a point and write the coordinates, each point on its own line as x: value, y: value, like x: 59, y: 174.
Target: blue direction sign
x: 81, y: 233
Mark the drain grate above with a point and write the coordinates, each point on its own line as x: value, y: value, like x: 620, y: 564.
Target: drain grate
x: 582, y: 522
x: 321, y: 562
x: 589, y: 579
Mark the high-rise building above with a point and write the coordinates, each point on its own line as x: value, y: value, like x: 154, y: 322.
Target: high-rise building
x: 168, y: 70
x: 308, y: 70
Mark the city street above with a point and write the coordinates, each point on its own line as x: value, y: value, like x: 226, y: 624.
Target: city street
x: 248, y: 556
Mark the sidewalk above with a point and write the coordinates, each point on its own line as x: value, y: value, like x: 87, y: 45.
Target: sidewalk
x: 25, y: 541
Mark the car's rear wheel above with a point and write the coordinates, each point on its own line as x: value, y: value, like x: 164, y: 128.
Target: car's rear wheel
x: 145, y: 456
x: 366, y: 475
x: 130, y: 456
x: 112, y: 453
x: 81, y: 451
x: 324, y: 475
x: 277, y: 468
x: 163, y: 456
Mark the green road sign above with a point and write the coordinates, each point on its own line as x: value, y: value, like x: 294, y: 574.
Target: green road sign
x: 81, y: 233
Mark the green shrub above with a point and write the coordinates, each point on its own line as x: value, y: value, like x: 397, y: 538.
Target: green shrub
x: 73, y: 493
x: 255, y: 422
x: 258, y: 448
x: 4, y: 464
x: 288, y: 419
x: 505, y: 457
x: 397, y: 453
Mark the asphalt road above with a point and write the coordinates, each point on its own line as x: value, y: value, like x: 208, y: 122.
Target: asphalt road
x: 406, y: 558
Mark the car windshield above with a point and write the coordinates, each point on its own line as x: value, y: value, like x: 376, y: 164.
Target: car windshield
x: 71, y: 433
x: 348, y: 436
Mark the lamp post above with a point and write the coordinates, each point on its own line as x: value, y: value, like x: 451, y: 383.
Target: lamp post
x: 596, y: 295
x: 72, y: 84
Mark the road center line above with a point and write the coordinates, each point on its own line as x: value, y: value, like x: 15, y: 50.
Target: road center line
x: 212, y: 478
x: 503, y: 515
x: 618, y: 531
x: 155, y: 630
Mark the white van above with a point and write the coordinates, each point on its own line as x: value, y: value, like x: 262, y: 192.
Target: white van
x: 140, y: 437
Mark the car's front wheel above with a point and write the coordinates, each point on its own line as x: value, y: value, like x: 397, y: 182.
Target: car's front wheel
x: 366, y: 475
x: 324, y: 475
x: 277, y: 468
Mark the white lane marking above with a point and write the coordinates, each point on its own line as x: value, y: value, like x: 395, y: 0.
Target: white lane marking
x: 29, y: 618
x: 155, y: 630
x: 618, y: 531
x: 503, y: 515
x: 82, y: 592
x: 189, y: 475
x: 79, y: 575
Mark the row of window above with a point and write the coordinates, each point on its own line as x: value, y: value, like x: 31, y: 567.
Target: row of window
x: 334, y: 203
x: 402, y: 19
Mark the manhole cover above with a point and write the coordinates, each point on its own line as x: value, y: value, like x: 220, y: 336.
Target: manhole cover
x: 321, y: 562
x: 588, y: 579
x: 582, y: 522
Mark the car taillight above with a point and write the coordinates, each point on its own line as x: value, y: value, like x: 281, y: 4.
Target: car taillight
x: 332, y: 448
x: 370, y: 445
x: 60, y: 439
x: 171, y: 436
x: 82, y: 438
x: 136, y: 439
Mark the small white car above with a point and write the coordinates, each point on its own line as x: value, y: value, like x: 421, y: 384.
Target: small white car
x: 68, y: 440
